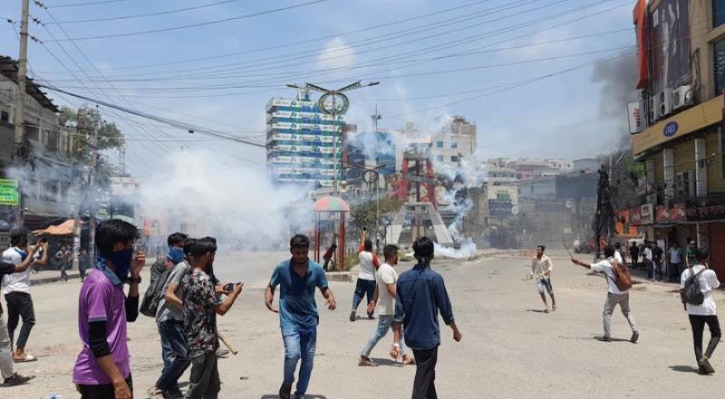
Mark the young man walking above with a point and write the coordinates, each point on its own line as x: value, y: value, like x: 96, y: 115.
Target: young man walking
x: 170, y: 322
x: 384, y: 299
x: 615, y: 296
x: 64, y: 259
x: 298, y: 279
x: 634, y: 254
x: 102, y: 369
x: 541, y: 267
x: 366, y: 275
x: 16, y: 288
x: 648, y: 259
x: 705, y: 312
x: 201, y: 306
x: 421, y: 297
x: 10, y: 377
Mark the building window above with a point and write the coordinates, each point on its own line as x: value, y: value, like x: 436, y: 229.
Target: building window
x: 439, y: 144
x: 454, y: 145
x: 440, y: 158
x: 719, y: 56
x: 718, y: 13
x: 4, y: 116
x: 454, y: 158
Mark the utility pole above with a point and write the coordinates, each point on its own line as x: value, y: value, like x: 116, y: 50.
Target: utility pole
x: 91, y: 191
x: 20, y: 152
x: 376, y: 118
x: 77, y: 207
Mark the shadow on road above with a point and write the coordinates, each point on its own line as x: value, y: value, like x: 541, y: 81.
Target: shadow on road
x: 387, y: 362
x: 684, y: 369
x: 536, y: 310
x: 307, y: 396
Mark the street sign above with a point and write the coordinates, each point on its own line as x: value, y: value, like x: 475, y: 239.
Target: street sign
x: 9, y: 192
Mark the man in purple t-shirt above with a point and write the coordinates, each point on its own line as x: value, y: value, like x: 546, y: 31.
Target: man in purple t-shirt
x: 102, y: 369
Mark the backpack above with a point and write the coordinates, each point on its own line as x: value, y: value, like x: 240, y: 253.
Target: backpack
x: 623, y: 279
x: 693, y: 293
x: 154, y: 294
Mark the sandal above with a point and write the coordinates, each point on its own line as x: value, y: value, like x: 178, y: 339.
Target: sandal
x: 28, y: 358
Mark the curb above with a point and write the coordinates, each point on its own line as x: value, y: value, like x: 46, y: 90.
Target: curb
x: 49, y: 280
x: 340, y: 277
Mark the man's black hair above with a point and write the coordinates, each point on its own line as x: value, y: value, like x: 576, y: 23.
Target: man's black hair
x: 299, y: 241
x: 701, y: 254
x: 423, y: 249
x: 617, y: 245
x: 210, y: 239
x: 114, y: 231
x: 389, y: 251
x: 188, y: 243
x: 17, y: 236
x: 202, y: 247
x: 543, y: 248
x: 368, y: 245
x: 608, y: 251
x: 176, y: 238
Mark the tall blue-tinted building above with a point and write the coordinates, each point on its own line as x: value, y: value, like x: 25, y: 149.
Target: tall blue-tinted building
x: 300, y: 142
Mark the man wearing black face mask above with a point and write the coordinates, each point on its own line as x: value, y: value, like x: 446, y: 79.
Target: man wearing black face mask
x: 102, y: 369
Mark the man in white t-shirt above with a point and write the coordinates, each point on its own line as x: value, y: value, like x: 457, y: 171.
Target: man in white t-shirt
x: 541, y: 267
x: 704, y: 313
x: 366, y: 276
x: 16, y: 288
x: 384, y: 299
x: 615, y: 296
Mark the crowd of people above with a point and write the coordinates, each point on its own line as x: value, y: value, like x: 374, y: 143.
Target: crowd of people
x: 185, y: 298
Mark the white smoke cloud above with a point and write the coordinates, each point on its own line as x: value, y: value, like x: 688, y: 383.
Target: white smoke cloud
x: 233, y: 203
x: 336, y: 55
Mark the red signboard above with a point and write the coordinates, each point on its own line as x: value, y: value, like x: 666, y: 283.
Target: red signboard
x: 674, y: 214
x: 640, y: 21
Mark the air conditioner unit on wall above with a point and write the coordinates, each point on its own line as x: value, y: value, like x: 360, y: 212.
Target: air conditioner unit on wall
x: 682, y: 97
x: 651, y: 111
x: 665, y: 103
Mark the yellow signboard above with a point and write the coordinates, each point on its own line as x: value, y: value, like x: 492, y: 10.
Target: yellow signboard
x: 682, y: 124
x: 8, y: 192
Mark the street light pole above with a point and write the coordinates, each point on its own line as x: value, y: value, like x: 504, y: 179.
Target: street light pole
x: 376, y: 118
x: 340, y: 105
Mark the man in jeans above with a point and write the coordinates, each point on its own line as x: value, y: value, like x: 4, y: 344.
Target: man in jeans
x: 201, y: 306
x: 614, y: 297
x: 298, y: 317
x: 170, y: 322
x: 421, y: 296
x: 385, y: 293
x: 10, y: 377
x: 16, y: 288
x: 675, y: 262
x: 366, y: 275
x: 705, y: 313
x: 102, y: 369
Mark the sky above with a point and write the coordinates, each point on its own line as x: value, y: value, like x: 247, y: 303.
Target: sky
x: 540, y: 78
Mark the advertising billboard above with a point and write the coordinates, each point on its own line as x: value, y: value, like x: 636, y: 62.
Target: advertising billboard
x: 670, y: 45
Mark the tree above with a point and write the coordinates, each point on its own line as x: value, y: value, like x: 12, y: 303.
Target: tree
x: 86, y: 120
x: 364, y: 214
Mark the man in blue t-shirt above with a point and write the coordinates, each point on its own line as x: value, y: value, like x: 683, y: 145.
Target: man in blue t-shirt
x: 421, y: 296
x: 298, y: 317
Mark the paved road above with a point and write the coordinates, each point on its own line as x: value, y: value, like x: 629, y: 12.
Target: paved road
x: 509, y: 349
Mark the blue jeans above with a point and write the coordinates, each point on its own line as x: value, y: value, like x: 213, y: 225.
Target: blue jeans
x: 362, y: 288
x: 385, y: 323
x: 299, y: 343
x: 175, y: 353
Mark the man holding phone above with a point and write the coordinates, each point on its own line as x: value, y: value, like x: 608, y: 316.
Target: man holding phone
x: 16, y: 288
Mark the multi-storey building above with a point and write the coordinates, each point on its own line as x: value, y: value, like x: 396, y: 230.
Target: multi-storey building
x: 455, y: 143
x: 46, y: 173
x: 681, y: 75
x: 301, y: 142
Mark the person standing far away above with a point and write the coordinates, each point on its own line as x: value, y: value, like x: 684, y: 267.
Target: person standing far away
x: 421, y: 297
x: 170, y: 323
x: 16, y: 288
x: 201, y: 306
x: 634, y: 254
x: 385, y: 293
x: 675, y: 262
x: 615, y: 296
x: 658, y: 256
x: 649, y: 260
x: 690, y: 258
x: 102, y: 369
x: 63, y: 257
x: 10, y: 377
x: 541, y: 267
x: 703, y: 313
x: 366, y: 275
x: 298, y: 318
x: 619, y: 253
